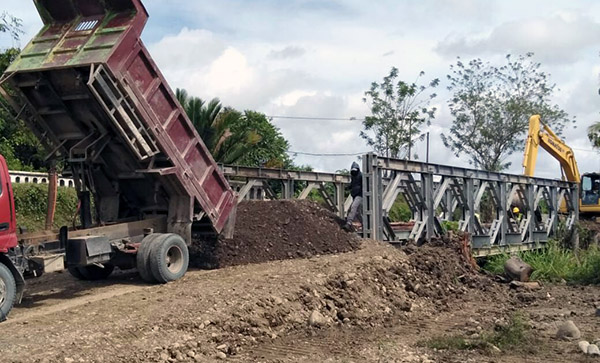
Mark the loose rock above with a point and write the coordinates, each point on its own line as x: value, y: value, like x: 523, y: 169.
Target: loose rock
x: 568, y: 331
x: 317, y: 319
x: 583, y: 345
x: 221, y: 355
x: 593, y: 350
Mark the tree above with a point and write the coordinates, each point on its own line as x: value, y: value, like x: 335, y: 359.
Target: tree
x: 247, y: 138
x: 491, y: 106
x: 18, y: 145
x: 11, y: 25
x: 214, y: 123
x: 271, y: 150
x: 398, y: 111
x: 594, y: 134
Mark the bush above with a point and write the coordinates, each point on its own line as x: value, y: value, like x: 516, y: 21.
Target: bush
x: 555, y: 263
x: 400, y: 211
x: 31, y: 204
x: 450, y: 226
x: 515, y: 335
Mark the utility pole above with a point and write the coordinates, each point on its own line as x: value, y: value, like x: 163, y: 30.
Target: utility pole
x: 427, y: 159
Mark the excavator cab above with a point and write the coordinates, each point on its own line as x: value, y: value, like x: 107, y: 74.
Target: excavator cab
x: 590, y: 189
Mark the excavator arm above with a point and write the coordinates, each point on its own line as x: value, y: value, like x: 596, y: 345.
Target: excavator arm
x: 541, y: 135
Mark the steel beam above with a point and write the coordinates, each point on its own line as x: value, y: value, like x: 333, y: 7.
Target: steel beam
x: 465, y: 188
x: 445, y: 170
x: 282, y: 174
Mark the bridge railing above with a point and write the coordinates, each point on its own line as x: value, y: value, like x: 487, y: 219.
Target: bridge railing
x: 480, y: 202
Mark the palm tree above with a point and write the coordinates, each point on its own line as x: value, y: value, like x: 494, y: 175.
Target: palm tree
x: 215, y: 126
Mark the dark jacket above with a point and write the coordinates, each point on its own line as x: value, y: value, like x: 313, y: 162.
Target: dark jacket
x: 356, y: 181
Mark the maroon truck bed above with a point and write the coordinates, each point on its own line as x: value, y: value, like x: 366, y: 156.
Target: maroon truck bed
x: 89, y: 89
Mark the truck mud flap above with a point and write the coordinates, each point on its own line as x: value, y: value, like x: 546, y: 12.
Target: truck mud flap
x: 88, y: 250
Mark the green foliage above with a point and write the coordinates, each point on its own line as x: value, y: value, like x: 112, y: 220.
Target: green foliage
x: 214, y: 125
x: 31, y: 201
x: 398, y: 112
x: 400, y: 211
x: 232, y: 137
x: 19, y: 147
x: 491, y: 106
x: 512, y: 336
x: 271, y: 147
x: 555, y: 263
x: 594, y: 134
x: 450, y: 226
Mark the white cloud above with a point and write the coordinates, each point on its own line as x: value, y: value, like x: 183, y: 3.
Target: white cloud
x: 230, y: 73
x: 556, y: 39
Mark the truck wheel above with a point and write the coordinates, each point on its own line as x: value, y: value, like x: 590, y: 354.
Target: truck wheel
x: 8, y: 291
x: 169, y: 258
x: 92, y: 272
x: 143, y: 257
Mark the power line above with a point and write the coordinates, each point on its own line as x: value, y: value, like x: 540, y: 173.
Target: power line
x: 586, y: 150
x: 316, y: 118
x: 326, y: 154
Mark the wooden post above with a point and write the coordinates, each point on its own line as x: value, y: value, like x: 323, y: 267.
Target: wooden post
x: 52, y: 191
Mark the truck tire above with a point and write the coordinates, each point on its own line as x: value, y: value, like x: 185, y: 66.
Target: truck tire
x: 8, y: 291
x: 92, y: 272
x: 169, y: 258
x: 143, y: 257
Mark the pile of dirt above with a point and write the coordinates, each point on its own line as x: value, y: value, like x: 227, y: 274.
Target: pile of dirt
x: 370, y: 291
x: 431, y: 278
x: 276, y: 230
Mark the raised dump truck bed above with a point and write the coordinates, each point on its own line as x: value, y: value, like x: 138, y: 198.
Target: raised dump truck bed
x: 89, y: 89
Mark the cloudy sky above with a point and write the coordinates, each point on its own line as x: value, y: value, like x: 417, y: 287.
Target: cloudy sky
x: 313, y: 58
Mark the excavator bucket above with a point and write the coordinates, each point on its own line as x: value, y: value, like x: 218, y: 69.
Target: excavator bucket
x: 82, y: 32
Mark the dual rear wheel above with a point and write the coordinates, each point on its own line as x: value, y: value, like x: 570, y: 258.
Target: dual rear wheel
x: 162, y: 258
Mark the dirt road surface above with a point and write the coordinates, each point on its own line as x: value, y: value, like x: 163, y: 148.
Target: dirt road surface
x: 376, y: 304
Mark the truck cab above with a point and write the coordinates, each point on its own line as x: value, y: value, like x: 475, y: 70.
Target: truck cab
x: 590, y: 189
x: 11, y: 278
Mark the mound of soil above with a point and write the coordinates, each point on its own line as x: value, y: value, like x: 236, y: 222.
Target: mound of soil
x: 430, y: 278
x: 276, y: 230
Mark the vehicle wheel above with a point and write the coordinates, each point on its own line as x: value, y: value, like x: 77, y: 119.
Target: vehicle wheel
x: 92, y: 272
x: 74, y: 271
x: 143, y: 257
x: 8, y: 291
x: 169, y: 258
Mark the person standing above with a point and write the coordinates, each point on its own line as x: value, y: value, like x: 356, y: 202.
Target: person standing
x: 355, y: 212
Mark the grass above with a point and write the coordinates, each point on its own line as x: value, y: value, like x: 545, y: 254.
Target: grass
x: 31, y: 204
x: 513, y: 336
x: 555, y: 263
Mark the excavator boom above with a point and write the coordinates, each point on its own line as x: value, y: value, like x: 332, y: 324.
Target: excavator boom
x: 540, y: 135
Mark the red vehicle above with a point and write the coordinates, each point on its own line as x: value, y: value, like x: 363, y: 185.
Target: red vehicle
x: 11, y: 280
x: 89, y: 90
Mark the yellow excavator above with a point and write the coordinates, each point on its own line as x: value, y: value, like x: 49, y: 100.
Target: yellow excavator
x: 589, y: 184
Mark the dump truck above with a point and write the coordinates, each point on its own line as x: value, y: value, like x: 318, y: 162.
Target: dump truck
x: 89, y: 90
